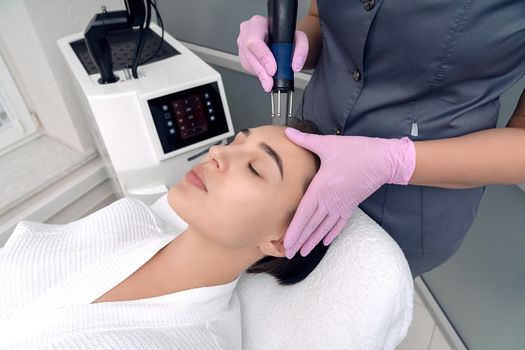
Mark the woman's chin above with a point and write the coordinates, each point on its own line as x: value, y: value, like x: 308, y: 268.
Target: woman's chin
x: 178, y: 196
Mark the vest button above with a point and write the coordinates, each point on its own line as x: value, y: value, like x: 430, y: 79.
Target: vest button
x: 369, y: 4
x: 337, y: 131
x: 356, y: 75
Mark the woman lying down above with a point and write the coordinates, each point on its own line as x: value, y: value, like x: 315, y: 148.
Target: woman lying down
x: 131, y: 276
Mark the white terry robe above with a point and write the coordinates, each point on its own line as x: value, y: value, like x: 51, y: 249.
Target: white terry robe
x: 49, y: 275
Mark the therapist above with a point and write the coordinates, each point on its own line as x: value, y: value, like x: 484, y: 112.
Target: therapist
x: 409, y: 93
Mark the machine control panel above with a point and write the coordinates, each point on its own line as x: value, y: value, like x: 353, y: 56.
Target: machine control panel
x: 188, y: 116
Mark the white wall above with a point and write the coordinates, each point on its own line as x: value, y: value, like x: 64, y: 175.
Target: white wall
x: 28, y: 33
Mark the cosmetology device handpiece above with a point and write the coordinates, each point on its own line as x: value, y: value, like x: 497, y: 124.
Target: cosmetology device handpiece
x: 282, y: 16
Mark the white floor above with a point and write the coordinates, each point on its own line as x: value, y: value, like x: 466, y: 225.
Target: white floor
x: 423, y: 333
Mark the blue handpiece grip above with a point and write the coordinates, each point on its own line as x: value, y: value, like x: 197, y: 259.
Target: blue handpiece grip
x: 283, y: 56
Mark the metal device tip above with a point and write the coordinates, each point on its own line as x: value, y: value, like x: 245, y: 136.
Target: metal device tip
x: 278, y: 104
x: 289, y: 104
x: 273, y: 104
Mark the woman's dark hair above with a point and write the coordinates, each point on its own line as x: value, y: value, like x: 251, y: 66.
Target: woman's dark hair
x: 291, y: 271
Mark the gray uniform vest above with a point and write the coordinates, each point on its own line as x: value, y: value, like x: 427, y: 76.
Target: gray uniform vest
x: 424, y: 69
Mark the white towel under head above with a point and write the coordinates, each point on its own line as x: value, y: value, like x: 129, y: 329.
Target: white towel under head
x: 360, y: 297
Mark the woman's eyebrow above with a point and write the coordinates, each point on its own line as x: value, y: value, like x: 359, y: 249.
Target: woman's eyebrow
x: 268, y: 150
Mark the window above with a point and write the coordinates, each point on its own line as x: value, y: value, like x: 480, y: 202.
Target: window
x: 16, y: 122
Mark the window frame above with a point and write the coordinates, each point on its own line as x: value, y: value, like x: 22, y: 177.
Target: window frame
x: 23, y: 126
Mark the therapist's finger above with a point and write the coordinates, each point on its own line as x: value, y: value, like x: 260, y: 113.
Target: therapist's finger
x: 338, y: 227
x: 262, y: 54
x: 265, y: 79
x: 326, y: 226
x: 310, y: 226
x: 251, y: 64
x: 311, y: 142
x: 300, y: 50
x: 305, y: 210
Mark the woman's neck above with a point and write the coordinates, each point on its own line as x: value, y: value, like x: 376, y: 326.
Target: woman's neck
x: 192, y: 261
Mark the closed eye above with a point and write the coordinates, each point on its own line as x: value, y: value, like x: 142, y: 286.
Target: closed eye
x: 252, y: 169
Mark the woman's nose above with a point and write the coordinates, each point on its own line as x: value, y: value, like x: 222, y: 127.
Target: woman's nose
x: 218, y: 157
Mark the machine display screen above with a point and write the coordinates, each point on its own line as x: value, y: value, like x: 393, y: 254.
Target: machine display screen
x: 188, y: 116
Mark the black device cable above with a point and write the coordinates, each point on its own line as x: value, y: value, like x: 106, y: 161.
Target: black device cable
x: 161, y: 24
x: 141, y: 40
x: 137, y: 42
x: 143, y: 33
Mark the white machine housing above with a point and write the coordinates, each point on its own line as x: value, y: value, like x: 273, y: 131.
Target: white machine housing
x: 126, y: 115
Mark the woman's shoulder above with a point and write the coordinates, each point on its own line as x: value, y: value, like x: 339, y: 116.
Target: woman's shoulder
x: 112, y: 220
x: 38, y: 256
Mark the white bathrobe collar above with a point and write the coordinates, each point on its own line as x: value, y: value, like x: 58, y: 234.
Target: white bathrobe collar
x: 162, y: 208
x: 57, y: 311
x: 175, y: 309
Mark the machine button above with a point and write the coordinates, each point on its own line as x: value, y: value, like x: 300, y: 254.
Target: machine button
x: 337, y: 131
x: 369, y: 4
x: 356, y: 75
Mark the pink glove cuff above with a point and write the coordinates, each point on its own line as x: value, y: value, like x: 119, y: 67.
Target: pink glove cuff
x: 406, y: 160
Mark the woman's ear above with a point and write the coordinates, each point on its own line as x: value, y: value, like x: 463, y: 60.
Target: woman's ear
x: 273, y: 248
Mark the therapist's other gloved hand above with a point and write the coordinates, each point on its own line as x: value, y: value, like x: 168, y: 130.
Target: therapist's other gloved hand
x: 257, y: 58
x: 352, y: 168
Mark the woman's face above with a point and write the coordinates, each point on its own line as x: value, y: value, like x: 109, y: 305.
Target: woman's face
x: 252, y: 186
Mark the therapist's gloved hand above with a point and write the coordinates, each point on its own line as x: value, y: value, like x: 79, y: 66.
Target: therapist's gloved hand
x: 352, y: 168
x: 257, y: 58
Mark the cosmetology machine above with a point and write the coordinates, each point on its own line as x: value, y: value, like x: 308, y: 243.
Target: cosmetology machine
x: 157, y: 108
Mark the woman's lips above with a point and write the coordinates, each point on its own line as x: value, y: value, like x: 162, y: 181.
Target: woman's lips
x: 195, y: 179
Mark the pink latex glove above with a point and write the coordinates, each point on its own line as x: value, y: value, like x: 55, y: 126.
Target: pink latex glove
x: 257, y: 58
x: 352, y: 168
